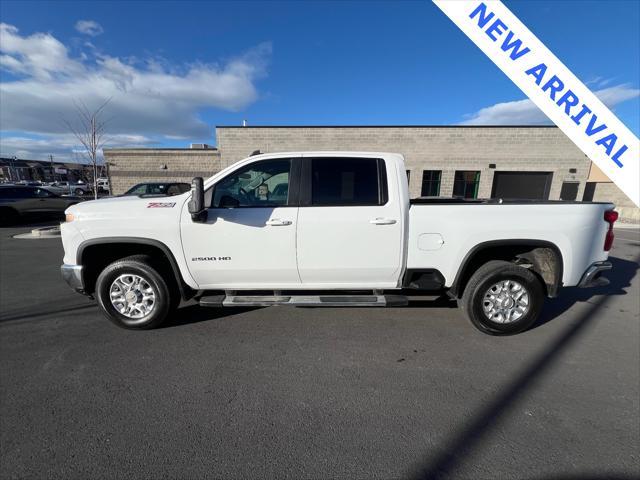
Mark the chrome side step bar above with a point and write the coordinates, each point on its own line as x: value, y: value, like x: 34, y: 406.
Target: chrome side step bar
x: 235, y: 300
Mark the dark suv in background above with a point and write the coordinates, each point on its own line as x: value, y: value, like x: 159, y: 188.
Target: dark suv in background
x: 17, y: 201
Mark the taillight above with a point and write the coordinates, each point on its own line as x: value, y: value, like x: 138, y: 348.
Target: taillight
x: 610, y: 216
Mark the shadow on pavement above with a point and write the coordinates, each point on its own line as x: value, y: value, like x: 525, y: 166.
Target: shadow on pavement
x: 22, y: 314
x: 620, y: 276
x: 195, y: 313
x: 591, y: 476
x: 453, y: 453
x: 35, y: 220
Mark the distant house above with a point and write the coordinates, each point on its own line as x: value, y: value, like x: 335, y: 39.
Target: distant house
x: 18, y: 169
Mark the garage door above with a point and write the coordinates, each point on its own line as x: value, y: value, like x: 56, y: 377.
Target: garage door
x: 522, y: 185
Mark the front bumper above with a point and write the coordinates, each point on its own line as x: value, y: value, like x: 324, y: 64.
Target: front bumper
x: 72, y: 274
x: 592, y: 277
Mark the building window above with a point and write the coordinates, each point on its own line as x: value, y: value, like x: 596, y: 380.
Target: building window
x: 589, y: 192
x: 522, y: 185
x: 569, y: 191
x: 431, y: 183
x: 465, y: 184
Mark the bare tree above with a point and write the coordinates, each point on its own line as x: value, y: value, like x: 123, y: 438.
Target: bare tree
x: 89, y: 129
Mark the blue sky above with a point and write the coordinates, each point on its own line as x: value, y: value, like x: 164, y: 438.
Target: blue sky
x: 175, y: 70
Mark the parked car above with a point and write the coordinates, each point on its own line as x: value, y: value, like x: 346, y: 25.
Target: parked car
x: 17, y: 201
x: 59, y: 188
x: 30, y: 183
x: 79, y: 188
x: 159, y: 188
x: 103, y: 185
x: 318, y: 229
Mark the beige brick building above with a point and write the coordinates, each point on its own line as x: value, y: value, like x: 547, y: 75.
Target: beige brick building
x: 128, y: 166
x: 444, y: 149
x: 501, y: 161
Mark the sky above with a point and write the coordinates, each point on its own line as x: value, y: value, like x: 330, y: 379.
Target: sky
x: 172, y: 71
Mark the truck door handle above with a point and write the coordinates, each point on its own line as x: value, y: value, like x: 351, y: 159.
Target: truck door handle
x: 382, y: 221
x: 276, y: 222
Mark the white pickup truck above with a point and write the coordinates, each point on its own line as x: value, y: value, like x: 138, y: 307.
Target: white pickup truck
x: 330, y: 229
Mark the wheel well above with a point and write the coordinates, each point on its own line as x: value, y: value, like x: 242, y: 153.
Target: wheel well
x: 542, y: 258
x: 95, y: 257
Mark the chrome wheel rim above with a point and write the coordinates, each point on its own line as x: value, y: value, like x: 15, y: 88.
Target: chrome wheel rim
x: 132, y: 296
x: 505, y: 302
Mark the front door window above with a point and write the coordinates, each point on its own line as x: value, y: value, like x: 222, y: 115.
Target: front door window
x: 261, y: 184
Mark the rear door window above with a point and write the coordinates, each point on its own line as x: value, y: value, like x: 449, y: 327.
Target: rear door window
x: 42, y: 193
x: 156, y: 189
x: 348, y: 182
x: 138, y: 190
x: 173, y: 190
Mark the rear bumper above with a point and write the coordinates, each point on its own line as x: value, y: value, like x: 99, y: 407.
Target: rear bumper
x: 592, y: 277
x: 72, y: 274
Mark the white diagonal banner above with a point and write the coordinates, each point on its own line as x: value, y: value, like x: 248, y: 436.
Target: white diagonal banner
x: 552, y: 87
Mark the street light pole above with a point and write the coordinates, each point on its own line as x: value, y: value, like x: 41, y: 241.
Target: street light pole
x: 53, y: 173
x: 12, y: 170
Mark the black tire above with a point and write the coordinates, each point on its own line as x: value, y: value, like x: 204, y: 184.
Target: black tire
x: 166, y: 298
x: 8, y: 216
x: 79, y: 192
x: 472, y: 301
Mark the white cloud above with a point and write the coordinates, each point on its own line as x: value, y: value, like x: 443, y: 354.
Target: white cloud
x: 89, y: 27
x: 599, y: 82
x: 612, y: 96
x: 39, y: 56
x: 149, y: 97
x: 525, y: 112
x: 64, y: 147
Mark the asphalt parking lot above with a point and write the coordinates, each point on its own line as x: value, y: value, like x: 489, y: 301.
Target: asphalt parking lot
x: 281, y: 392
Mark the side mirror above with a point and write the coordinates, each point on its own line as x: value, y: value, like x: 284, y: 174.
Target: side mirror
x: 196, y: 204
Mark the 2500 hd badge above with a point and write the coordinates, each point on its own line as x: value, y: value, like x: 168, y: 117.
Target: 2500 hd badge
x: 209, y: 259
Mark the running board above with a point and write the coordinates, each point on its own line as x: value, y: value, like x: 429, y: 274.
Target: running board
x: 304, y: 300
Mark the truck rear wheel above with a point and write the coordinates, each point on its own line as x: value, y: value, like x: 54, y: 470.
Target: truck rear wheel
x: 133, y: 295
x: 502, y: 298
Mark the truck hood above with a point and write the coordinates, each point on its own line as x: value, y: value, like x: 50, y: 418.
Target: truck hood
x: 128, y: 207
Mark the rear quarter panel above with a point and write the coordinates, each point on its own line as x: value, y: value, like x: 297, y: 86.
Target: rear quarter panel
x: 578, y: 230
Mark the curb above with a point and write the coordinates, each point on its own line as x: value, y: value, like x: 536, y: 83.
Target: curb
x: 40, y: 233
x: 626, y: 226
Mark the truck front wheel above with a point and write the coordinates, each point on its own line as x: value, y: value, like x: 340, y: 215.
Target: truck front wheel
x: 132, y: 294
x: 502, y: 298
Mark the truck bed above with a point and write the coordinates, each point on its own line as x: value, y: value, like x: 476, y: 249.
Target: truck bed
x: 442, y: 232
x: 494, y: 201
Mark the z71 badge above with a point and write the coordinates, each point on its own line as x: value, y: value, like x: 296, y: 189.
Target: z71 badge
x: 161, y: 205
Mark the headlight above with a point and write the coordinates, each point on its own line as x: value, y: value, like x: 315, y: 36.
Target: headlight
x: 69, y: 217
